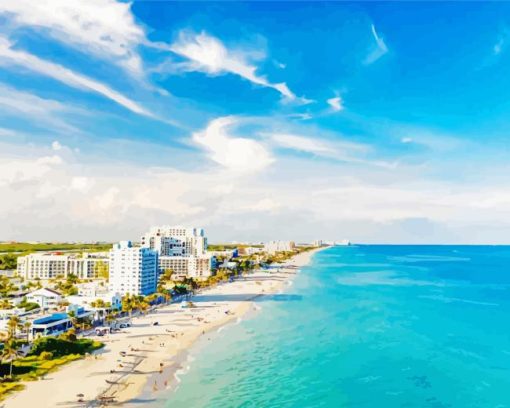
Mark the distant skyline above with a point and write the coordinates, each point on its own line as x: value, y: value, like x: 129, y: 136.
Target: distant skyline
x: 374, y: 122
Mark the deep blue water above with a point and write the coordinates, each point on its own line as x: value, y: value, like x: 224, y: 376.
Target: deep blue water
x: 368, y: 326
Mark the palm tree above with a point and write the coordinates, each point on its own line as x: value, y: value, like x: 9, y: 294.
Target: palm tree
x: 27, y: 325
x: 100, y: 303
x: 110, y: 317
x: 128, y: 304
x: 5, y: 304
x: 74, y: 320
x: 62, y: 304
x: 12, y: 325
x: 143, y: 307
x: 10, y: 352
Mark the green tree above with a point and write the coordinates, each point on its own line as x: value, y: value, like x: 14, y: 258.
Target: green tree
x: 101, y: 270
x: 12, y: 326
x: 5, y: 304
x: 10, y: 352
x: 26, y: 326
x: 110, y: 317
x: 143, y: 307
x: 74, y: 319
x: 8, y: 261
x: 128, y: 304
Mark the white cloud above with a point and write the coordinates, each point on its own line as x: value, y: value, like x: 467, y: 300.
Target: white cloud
x: 104, y: 28
x: 407, y: 140
x: 81, y: 183
x: 56, y: 145
x: 19, y: 170
x: 338, y: 150
x: 79, y: 198
x: 208, y: 54
x: 303, y: 144
x: 234, y: 153
x: 7, y: 132
x: 265, y: 204
x: 498, y: 47
x: 336, y: 103
x: 41, y: 111
x: 302, y: 116
x: 12, y: 57
x: 380, y: 47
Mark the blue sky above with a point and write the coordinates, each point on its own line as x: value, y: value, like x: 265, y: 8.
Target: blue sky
x: 377, y: 122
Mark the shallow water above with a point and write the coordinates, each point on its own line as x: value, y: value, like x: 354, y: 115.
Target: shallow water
x: 367, y: 326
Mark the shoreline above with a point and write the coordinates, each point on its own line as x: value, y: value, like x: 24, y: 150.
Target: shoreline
x: 153, y: 354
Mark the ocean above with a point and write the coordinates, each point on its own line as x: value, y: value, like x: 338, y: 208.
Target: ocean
x: 366, y: 326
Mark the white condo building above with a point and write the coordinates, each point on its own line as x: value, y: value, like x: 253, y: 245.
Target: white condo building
x: 176, y: 241
x: 52, y: 265
x: 133, y: 270
x: 272, y: 247
x: 183, y: 250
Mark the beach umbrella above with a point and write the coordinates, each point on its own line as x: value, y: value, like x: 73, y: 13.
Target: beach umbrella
x: 80, y: 395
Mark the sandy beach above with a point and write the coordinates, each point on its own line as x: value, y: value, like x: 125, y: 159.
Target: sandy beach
x: 146, y: 352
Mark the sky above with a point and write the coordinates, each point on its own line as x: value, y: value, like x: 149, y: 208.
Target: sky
x: 374, y: 122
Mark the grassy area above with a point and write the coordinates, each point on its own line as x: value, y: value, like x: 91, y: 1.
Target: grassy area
x: 47, y: 355
x: 52, y: 246
x: 7, y: 387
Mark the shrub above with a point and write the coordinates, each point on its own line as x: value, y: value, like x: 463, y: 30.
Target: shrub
x: 70, y: 335
x: 61, y: 347
x: 30, y: 306
x: 46, y: 355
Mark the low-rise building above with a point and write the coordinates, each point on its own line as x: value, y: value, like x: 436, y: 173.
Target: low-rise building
x: 93, y: 288
x: 227, y: 253
x: 251, y: 250
x: 187, y: 266
x: 53, y: 265
x: 46, y: 298
x: 57, y: 323
x: 111, y: 301
x: 272, y: 247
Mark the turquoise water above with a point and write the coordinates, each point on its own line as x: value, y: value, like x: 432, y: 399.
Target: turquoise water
x: 368, y: 326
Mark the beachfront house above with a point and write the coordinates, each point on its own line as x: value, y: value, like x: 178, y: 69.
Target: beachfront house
x: 57, y: 323
x: 46, y: 298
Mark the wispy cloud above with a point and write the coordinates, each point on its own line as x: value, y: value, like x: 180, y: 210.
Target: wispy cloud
x: 205, y: 53
x: 234, y: 153
x: 502, y: 43
x: 104, y: 28
x: 380, y: 47
x: 13, y: 57
x: 338, y: 150
x: 303, y: 144
x: 336, y: 103
x: 34, y: 108
x: 498, y: 47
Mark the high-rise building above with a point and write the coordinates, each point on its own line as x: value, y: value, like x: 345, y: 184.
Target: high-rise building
x: 183, y: 250
x: 133, y: 270
x: 176, y: 241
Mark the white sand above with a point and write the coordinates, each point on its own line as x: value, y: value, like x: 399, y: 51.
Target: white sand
x: 177, y: 330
